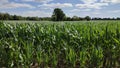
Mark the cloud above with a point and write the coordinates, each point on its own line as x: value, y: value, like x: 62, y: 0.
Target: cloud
x: 31, y: 13
x: 36, y: 13
x: 3, y: 1
x: 42, y: 1
x: 92, y: 6
x: 79, y: 10
x: 89, y: 1
x: 15, y: 5
x: 96, y: 4
x: 114, y: 11
x: 111, y: 1
x: 100, y: 1
x: 56, y: 5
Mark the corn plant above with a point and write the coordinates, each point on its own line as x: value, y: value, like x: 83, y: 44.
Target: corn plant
x: 92, y: 44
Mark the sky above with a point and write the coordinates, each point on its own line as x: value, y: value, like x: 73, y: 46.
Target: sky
x: 44, y: 8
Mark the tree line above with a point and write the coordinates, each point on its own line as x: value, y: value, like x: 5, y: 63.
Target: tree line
x: 58, y: 15
x: 6, y: 16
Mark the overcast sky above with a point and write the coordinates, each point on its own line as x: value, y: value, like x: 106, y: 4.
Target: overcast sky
x: 44, y: 8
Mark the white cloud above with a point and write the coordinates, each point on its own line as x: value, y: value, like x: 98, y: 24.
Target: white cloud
x: 114, y: 11
x: 96, y: 4
x: 36, y: 13
x: 3, y: 1
x: 57, y: 5
x: 92, y: 6
x: 79, y: 10
x: 43, y: 1
x: 89, y: 1
x: 31, y: 13
x: 111, y: 1
x: 15, y: 5
x: 95, y: 13
x: 100, y: 1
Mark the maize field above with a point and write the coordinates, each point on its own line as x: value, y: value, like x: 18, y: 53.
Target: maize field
x: 92, y: 44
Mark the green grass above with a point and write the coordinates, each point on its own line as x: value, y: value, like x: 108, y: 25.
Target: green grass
x: 60, y: 44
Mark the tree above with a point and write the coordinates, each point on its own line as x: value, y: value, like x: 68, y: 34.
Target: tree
x: 6, y: 16
x: 75, y: 18
x: 58, y: 15
x: 68, y: 19
x: 87, y: 18
x: 1, y: 16
x: 15, y: 17
x: 117, y: 18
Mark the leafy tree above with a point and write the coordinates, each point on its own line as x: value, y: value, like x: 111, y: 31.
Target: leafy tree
x: 6, y: 16
x: 118, y: 18
x: 15, y: 17
x: 1, y: 16
x: 80, y: 18
x: 68, y: 19
x: 75, y: 18
x: 58, y: 15
x: 87, y: 18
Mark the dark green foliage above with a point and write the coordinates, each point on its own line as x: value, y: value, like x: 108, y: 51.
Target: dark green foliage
x: 58, y: 15
x: 87, y: 18
x: 60, y: 45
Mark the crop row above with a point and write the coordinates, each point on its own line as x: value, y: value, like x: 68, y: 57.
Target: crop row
x: 76, y: 45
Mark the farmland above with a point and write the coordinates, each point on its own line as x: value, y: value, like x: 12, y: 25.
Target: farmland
x: 80, y: 44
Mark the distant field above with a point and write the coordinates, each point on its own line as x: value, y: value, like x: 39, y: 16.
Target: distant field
x: 67, y: 44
